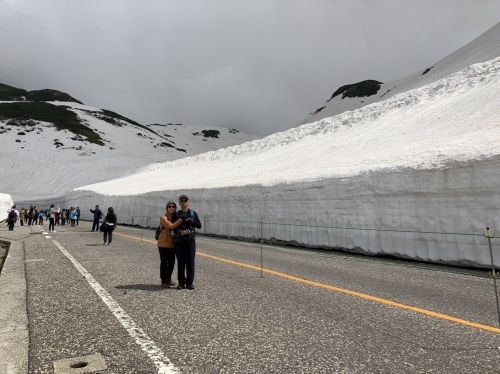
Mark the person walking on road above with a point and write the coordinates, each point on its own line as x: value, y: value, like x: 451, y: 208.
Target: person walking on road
x: 185, y: 243
x: 166, y: 244
x: 52, y: 218
x: 97, y: 216
x: 12, y: 217
x: 109, y: 225
x: 77, y: 215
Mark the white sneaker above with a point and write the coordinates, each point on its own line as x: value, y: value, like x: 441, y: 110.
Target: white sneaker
x: 53, y: 232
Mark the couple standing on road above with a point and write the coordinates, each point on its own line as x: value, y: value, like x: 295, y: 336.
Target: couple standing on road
x: 178, y: 239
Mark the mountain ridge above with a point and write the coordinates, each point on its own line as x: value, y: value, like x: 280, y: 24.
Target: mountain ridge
x: 484, y: 48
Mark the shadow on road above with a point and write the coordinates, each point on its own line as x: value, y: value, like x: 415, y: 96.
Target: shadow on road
x: 142, y: 287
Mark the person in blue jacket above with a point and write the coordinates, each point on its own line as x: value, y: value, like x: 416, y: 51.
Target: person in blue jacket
x: 72, y: 216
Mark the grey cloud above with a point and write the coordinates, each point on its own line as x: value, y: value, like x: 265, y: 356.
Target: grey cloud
x: 258, y: 66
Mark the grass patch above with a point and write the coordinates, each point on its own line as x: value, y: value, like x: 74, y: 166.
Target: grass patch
x: 60, y: 116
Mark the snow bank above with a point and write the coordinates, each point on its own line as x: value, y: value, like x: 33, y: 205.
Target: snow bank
x: 414, y: 176
x: 453, y: 119
x: 5, y: 204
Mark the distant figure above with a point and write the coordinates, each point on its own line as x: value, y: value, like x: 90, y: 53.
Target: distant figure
x: 41, y: 216
x: 72, y: 216
x: 185, y: 244
x: 109, y: 225
x: 58, y: 217
x: 12, y: 217
x: 52, y: 218
x: 77, y: 215
x: 166, y: 244
x: 97, y: 216
x: 22, y: 216
x: 64, y: 215
x: 31, y: 214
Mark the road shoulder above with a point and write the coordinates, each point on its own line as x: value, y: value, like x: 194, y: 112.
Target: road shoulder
x: 14, y: 333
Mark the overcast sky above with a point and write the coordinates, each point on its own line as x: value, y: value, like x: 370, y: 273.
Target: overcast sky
x: 257, y: 66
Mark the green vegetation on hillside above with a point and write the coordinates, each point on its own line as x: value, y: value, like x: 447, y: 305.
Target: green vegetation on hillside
x: 50, y: 95
x: 208, y: 133
x: 60, y: 116
x: 111, y: 114
x: 360, y: 89
x: 9, y: 93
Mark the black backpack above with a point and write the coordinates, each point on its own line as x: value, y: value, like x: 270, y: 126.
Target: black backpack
x: 12, y: 216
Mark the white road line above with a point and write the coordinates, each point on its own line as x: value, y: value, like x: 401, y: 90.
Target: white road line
x: 48, y: 236
x: 147, y: 345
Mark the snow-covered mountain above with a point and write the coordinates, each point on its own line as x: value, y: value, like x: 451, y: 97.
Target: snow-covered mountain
x: 354, y: 96
x: 49, y: 147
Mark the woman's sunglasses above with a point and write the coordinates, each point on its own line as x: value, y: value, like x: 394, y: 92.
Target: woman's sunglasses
x: 171, y: 206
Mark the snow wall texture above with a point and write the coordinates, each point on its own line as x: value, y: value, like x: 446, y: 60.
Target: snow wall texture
x: 5, y: 204
x: 408, y: 213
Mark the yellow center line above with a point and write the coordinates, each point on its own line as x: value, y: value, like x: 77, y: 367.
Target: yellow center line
x: 343, y: 290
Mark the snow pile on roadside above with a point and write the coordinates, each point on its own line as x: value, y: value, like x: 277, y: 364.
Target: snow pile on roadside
x: 454, y: 119
x: 5, y: 204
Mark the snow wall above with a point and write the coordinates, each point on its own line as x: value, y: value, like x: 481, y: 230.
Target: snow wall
x: 5, y: 204
x: 373, y: 213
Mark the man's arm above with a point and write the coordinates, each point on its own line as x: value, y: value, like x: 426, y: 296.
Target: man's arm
x: 195, y: 222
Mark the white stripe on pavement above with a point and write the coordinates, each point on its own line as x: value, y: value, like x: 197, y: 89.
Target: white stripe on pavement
x: 147, y: 345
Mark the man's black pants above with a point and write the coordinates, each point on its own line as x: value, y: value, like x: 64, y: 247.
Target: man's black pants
x: 95, y: 225
x: 167, y: 262
x: 185, y: 252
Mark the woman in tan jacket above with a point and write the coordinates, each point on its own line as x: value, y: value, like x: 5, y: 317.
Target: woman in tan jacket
x: 166, y: 245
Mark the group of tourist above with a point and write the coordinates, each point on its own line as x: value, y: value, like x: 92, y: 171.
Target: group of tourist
x: 176, y: 234
x: 35, y: 216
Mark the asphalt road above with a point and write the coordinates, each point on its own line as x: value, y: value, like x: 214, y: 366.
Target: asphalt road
x: 299, y: 319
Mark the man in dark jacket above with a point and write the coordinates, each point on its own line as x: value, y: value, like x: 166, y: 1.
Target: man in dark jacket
x: 97, y: 216
x: 12, y: 217
x: 185, y: 243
